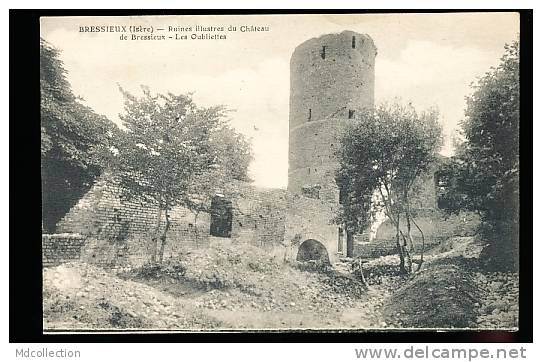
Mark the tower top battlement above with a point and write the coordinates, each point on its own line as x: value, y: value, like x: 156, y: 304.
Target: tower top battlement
x: 347, y: 39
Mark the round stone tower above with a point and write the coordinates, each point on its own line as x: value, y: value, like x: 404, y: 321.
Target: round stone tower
x: 331, y: 78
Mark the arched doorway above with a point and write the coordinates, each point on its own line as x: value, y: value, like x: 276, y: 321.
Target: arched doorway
x: 312, y: 250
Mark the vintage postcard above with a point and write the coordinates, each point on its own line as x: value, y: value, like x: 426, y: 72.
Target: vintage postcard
x: 280, y: 172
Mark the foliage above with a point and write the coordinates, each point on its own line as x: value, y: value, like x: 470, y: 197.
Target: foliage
x: 484, y: 175
x: 384, y: 152
x: 233, y: 152
x: 174, y: 153
x: 71, y: 134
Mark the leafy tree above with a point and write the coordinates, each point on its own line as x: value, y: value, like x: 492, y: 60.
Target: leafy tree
x: 484, y: 174
x: 384, y: 152
x: 70, y: 136
x: 233, y: 156
x: 174, y: 153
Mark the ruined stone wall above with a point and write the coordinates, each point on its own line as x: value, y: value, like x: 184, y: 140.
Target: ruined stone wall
x: 118, y: 232
x: 258, y: 214
x: 306, y: 219
x: 279, y: 221
x: 437, y: 227
x: 424, y: 191
x: 103, y: 215
x: 330, y: 78
x: 61, y: 248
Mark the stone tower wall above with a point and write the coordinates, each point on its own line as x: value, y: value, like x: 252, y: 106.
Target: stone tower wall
x: 330, y: 78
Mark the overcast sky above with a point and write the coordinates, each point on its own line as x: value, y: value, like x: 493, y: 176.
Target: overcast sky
x: 427, y: 59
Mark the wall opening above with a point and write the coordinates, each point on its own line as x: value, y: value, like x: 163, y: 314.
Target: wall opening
x: 310, y: 114
x: 340, y: 241
x: 312, y: 191
x: 312, y: 250
x: 353, y: 42
x: 221, y: 217
x: 323, y: 52
x: 440, y: 184
x: 351, y: 113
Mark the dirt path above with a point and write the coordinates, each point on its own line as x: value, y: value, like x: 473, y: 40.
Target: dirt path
x: 322, y: 311
x: 363, y: 314
x: 367, y: 313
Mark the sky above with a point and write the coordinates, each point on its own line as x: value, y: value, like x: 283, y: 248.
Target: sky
x: 429, y: 60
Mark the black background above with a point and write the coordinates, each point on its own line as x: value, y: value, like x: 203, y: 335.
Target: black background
x: 25, y: 268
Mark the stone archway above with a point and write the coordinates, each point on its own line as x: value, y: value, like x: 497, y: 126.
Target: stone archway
x: 312, y: 250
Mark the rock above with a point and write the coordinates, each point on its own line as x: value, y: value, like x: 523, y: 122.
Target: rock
x: 487, y: 309
x: 499, y: 305
x: 496, y: 285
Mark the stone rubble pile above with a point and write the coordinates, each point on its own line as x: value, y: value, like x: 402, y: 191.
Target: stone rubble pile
x: 86, y: 297
x: 498, y: 307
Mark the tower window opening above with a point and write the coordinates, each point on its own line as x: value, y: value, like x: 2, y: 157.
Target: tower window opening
x: 310, y: 114
x: 323, y: 52
x: 311, y: 191
x: 353, y: 42
x: 350, y: 114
